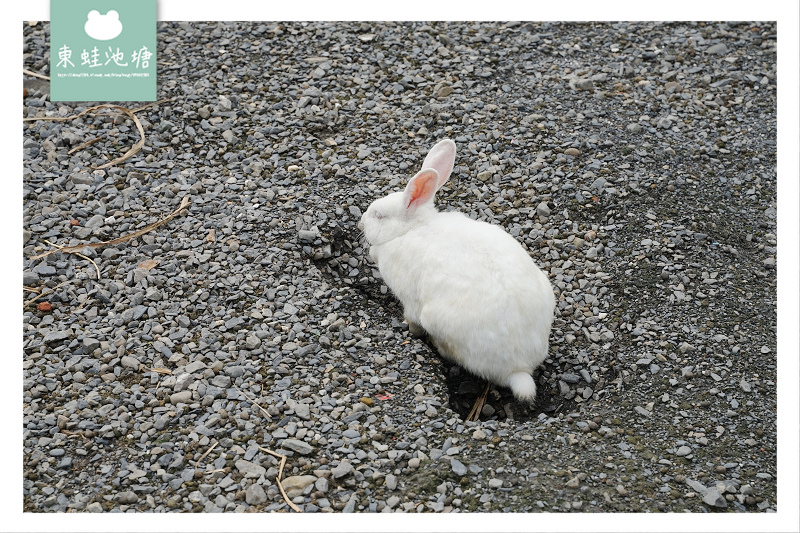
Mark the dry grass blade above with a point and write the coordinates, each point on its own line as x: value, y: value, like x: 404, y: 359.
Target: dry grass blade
x: 96, y: 268
x: 475, y: 413
x: 84, y: 145
x: 71, y: 117
x: 135, y: 148
x: 253, y: 402
x: 138, y: 233
x: 130, y: 112
x: 208, y: 451
x: 280, y: 475
x: 74, y: 434
x: 35, y: 75
x: 45, y: 293
x: 159, y: 370
x: 151, y: 104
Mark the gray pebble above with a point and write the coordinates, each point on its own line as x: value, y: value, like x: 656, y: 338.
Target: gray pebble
x: 301, y: 447
x: 713, y: 498
x: 342, y: 469
x: 255, y: 495
x: 458, y: 467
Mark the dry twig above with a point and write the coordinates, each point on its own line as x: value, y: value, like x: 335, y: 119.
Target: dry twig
x: 35, y: 75
x: 208, y: 451
x: 278, y: 479
x: 78, y: 254
x: 45, y: 293
x: 130, y: 112
x: 138, y: 233
x: 84, y: 145
x: 253, y: 402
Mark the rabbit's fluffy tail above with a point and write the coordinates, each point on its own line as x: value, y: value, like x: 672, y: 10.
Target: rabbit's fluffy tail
x: 523, y: 386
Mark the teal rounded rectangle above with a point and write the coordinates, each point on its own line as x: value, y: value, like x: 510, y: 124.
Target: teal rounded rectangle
x: 102, y: 50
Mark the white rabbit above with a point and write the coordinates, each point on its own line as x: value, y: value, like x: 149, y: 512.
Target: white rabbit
x: 468, y: 284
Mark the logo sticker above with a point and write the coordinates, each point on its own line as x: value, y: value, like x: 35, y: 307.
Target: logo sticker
x: 103, y: 50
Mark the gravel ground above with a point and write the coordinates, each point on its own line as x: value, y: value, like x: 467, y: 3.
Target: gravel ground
x: 636, y: 163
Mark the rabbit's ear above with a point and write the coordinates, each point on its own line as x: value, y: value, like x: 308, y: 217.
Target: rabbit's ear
x: 441, y: 158
x: 420, y: 189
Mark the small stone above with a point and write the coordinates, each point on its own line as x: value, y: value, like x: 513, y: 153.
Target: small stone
x: 250, y: 470
x: 45, y: 270
x: 570, y: 378
x: 444, y: 91
x: 683, y: 451
x: 296, y: 485
x: 94, y: 507
x: 495, y: 483
x: 30, y: 278
x: 342, y: 469
x: 303, y: 448
x: 717, y: 49
x: 95, y: 222
x: 129, y: 362
x: 574, y: 483
x: 486, y: 175
x: 574, y: 152
x: 714, y: 498
x: 599, y: 184
x: 583, y: 84
x: 181, y: 397
x: 685, y: 347
x: 91, y: 344
x: 351, y: 434
x: 127, y: 497
x: 543, y: 210
x: 351, y: 504
x: 252, y: 342
x: 224, y: 103
x: 479, y: 434
x: 458, y: 467
x: 390, y: 481
x: 82, y: 178
x: 307, y: 235
x: 303, y: 411
x: 255, y: 494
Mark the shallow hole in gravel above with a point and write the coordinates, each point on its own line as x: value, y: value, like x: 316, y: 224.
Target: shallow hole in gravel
x: 463, y: 388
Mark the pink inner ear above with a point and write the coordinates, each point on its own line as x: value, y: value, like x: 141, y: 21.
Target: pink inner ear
x: 421, y: 188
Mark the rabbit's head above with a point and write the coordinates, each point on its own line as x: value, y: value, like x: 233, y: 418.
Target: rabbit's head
x: 392, y: 216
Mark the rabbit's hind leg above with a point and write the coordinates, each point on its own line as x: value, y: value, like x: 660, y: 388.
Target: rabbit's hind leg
x: 415, y: 329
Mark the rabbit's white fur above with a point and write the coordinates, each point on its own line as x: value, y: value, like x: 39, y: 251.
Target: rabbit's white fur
x: 468, y: 284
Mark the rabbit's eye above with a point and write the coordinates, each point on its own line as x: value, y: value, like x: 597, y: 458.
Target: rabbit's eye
x: 378, y: 215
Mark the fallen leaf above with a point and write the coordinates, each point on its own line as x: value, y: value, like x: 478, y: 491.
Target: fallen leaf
x: 149, y: 264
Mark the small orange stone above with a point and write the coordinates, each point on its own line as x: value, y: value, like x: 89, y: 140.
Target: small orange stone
x: 45, y: 306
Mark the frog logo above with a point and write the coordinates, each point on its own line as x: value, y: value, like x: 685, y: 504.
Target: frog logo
x: 103, y: 27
